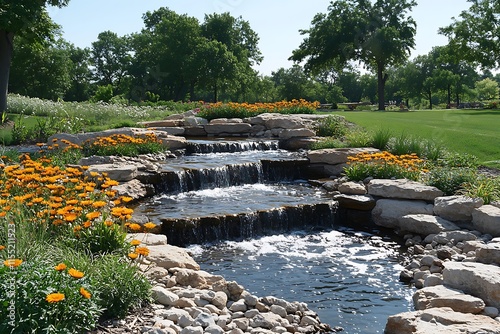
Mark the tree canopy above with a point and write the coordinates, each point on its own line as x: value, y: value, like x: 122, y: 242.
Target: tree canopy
x: 377, y: 34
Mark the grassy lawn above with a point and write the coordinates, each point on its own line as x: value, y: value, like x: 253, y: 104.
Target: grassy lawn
x: 475, y: 132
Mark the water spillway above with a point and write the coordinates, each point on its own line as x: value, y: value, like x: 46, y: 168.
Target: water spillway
x: 247, y: 212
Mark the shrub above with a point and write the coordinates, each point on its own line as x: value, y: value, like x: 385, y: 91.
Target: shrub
x: 384, y: 165
x: 464, y: 160
x: 487, y: 188
x: 358, y: 138
x: 123, y: 145
x: 332, y: 126
x: 381, y: 139
x: 328, y: 142
x: 450, y: 180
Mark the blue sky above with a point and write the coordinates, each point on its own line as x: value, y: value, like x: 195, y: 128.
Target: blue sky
x: 277, y: 22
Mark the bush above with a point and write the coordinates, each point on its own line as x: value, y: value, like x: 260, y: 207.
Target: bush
x: 450, y: 180
x: 328, y: 142
x: 332, y: 126
x: 485, y: 187
x: 381, y: 139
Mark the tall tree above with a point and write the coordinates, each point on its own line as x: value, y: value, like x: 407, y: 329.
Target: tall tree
x: 477, y: 35
x: 26, y: 17
x: 379, y: 34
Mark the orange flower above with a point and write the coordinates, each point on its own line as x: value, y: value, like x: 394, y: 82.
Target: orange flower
x: 60, y: 267
x: 2, y: 247
x: 55, y: 297
x: 142, y: 251
x: 75, y: 273
x: 149, y: 226
x: 135, y: 242
x: 133, y: 256
x: 85, y: 294
x: 99, y: 204
x: 93, y: 215
x: 12, y: 262
x: 135, y: 227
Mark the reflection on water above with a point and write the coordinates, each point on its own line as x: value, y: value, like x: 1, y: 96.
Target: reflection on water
x: 351, y: 279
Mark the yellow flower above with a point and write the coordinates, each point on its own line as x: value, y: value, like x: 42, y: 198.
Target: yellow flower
x: 135, y: 227
x: 2, y: 247
x: 55, y: 297
x: 85, y: 293
x: 60, y: 267
x: 133, y: 256
x: 142, y: 251
x: 135, y: 242
x: 12, y: 262
x: 75, y: 273
x: 149, y: 226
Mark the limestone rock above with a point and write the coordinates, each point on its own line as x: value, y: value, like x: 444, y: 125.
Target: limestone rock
x: 486, y: 219
x: 456, y: 208
x: 168, y: 256
x: 297, y: 143
x: 134, y: 189
x: 275, y: 120
x: 197, y: 278
x: 489, y: 253
x: 403, y: 189
x: 425, y: 224
x: 440, y: 320
x: 388, y: 212
x: 441, y: 296
x: 227, y: 128
x: 163, y: 296
x: 478, y: 279
x: 355, y: 202
x: 173, y: 142
x: 334, y: 156
x: 148, y: 239
x: 121, y: 172
x: 352, y: 188
x: 293, y: 133
x: 162, y: 123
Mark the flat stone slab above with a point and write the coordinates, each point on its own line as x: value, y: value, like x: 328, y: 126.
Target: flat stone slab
x: 425, y: 224
x: 355, y: 202
x: 478, y: 279
x: 296, y: 133
x: 486, y: 219
x: 388, y: 212
x: 456, y: 208
x: 334, y: 156
x: 121, y: 172
x: 440, y: 320
x: 148, y: 239
x: 404, y: 189
x: 232, y: 128
x: 168, y: 256
x: 441, y: 296
x: 489, y: 253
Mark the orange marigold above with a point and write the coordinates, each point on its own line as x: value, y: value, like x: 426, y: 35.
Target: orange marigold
x: 135, y: 242
x: 60, y: 267
x: 133, y: 256
x: 55, y: 297
x: 75, y: 273
x: 12, y: 262
x: 85, y: 294
x: 142, y: 251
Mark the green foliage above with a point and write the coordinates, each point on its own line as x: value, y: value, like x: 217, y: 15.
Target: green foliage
x: 450, y: 180
x: 464, y: 160
x: 487, y: 89
x: 24, y: 307
x: 125, y: 149
x: 332, y: 126
x: 100, y: 238
x: 328, y: 142
x: 358, y: 138
x: 484, y: 187
x: 122, y: 286
x: 381, y: 138
x: 103, y: 94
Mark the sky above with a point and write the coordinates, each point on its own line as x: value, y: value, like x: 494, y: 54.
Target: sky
x: 277, y: 22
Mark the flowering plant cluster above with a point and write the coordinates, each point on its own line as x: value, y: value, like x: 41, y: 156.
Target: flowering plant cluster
x: 384, y: 165
x: 242, y: 110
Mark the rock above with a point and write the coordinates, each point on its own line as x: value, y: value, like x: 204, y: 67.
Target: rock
x: 238, y: 306
x: 297, y: 143
x: 167, y: 123
x: 196, y: 278
x: 134, y: 189
x: 120, y: 172
x: 478, y: 279
x: 275, y: 120
x: 388, y: 212
x: 355, y: 202
x: 168, y: 256
x: 440, y: 320
x: 195, y: 131
x: 491, y: 312
x: 296, y: 133
x: 334, y: 156
x: 352, y: 188
x: 403, y: 189
x: 425, y: 224
x: 266, y: 320
x: 171, y: 130
x: 173, y: 142
x: 194, y: 121
x: 489, y: 253
x: 441, y: 296
x: 486, y: 219
x: 163, y: 296
x: 456, y: 208
x: 192, y: 330
x: 220, y: 299
x: 227, y: 128
x: 457, y: 236
x: 279, y: 310
x: 433, y: 280
x: 148, y: 239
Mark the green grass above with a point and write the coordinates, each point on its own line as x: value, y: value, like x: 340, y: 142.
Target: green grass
x: 464, y: 131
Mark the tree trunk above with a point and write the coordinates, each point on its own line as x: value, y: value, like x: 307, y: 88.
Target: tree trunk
x: 429, y: 93
x: 449, y: 96
x: 6, y: 50
x: 458, y: 100
x: 381, y: 79
x: 215, y: 92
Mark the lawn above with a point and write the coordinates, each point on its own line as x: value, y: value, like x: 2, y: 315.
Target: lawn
x: 475, y: 132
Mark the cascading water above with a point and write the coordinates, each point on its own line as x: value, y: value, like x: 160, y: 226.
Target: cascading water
x: 240, y: 200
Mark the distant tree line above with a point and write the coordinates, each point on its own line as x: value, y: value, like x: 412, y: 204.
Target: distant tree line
x: 177, y: 57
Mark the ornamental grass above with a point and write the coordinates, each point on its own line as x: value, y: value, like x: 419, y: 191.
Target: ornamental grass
x: 242, y: 110
x: 62, y: 242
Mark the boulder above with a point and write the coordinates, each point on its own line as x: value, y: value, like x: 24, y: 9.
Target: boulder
x: 168, y: 256
x: 425, y: 224
x: 355, y: 202
x: 293, y: 133
x: 148, y: 239
x: 227, y: 128
x: 275, y: 120
x: 195, y: 131
x: 163, y: 123
x: 478, y: 279
x: 134, y: 189
x: 173, y: 142
x: 456, y: 208
x: 171, y: 130
x: 196, y: 278
x: 486, y: 219
x: 440, y: 320
x: 297, y: 143
x: 441, y: 296
x: 334, y: 156
x: 164, y: 296
x: 403, y: 189
x: 352, y: 188
x: 121, y: 172
x: 388, y: 212
x: 489, y: 253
